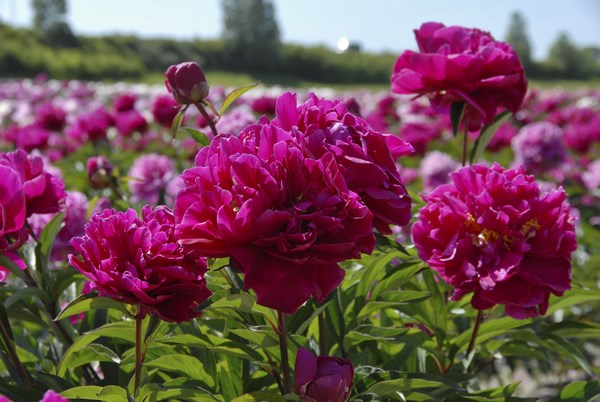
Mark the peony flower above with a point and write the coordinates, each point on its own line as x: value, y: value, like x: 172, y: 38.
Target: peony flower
x: 284, y: 218
x: 150, y: 175
x: 435, y: 168
x: 129, y: 122
x: 366, y: 157
x: 12, y: 210
x: 591, y: 176
x: 539, y: 147
x: 461, y: 65
x: 51, y: 396
x: 124, y: 102
x: 139, y: 261
x: 50, y: 117
x: 186, y: 82
x: 99, y: 172
x: 492, y: 233
x: 323, y: 378
x: 44, y: 193
x: 164, y: 110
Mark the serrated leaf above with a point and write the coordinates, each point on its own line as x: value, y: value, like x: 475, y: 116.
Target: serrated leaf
x: 233, y: 95
x: 87, y: 302
x: 486, y: 135
x: 457, y: 110
x: 198, y: 136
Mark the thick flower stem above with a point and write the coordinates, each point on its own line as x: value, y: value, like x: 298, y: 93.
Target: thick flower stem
x: 207, y: 117
x: 283, y: 347
x: 13, y: 357
x: 139, y: 357
x: 322, y: 343
x: 475, y: 331
x: 465, y: 146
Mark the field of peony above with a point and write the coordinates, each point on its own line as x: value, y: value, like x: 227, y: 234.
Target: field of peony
x: 438, y: 241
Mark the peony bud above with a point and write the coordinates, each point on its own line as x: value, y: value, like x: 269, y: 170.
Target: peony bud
x: 99, y: 170
x: 323, y: 378
x: 187, y: 82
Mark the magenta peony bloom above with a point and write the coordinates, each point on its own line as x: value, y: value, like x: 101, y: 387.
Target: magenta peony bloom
x: 539, y: 147
x: 186, y: 82
x: 139, y: 261
x: 591, y: 176
x: 164, y: 110
x: 323, y: 378
x: 32, y: 137
x: 435, y: 169
x: 285, y: 219
x: 129, y: 122
x: 366, y: 157
x: 124, y: 102
x: 50, y: 117
x: 99, y: 171
x: 150, y: 175
x: 51, y: 396
x: 44, y: 193
x: 12, y: 210
x: 457, y: 64
x: 492, y: 233
x: 264, y: 105
x: 93, y: 125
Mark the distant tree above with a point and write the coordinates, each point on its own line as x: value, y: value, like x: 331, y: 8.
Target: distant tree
x: 567, y: 59
x: 50, y: 22
x: 518, y: 38
x: 251, y: 35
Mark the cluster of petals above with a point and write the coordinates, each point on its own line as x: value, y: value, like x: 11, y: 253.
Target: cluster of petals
x: 323, y: 378
x: 139, y: 261
x: 492, y: 233
x: 462, y: 65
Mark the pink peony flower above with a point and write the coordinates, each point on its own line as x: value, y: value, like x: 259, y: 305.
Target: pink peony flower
x: 366, y: 157
x: 186, y: 82
x: 124, y: 102
x: 51, y: 396
x: 129, y: 122
x: 50, y: 117
x: 150, y: 174
x: 12, y: 210
x: 44, y: 193
x: 492, y: 233
x: 435, y: 168
x: 284, y: 218
x: 164, y: 110
x: 457, y: 64
x: 139, y: 261
x: 323, y: 378
x: 539, y: 147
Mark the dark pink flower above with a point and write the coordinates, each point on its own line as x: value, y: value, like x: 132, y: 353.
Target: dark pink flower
x: 186, y: 82
x: 492, y: 233
x: 44, y: 193
x: 124, y: 102
x: 264, y: 105
x: 164, y: 110
x: 51, y: 396
x: 139, y: 261
x: 99, y: 171
x: 366, y: 157
x: 284, y: 218
x: 150, y: 174
x: 129, y: 122
x: 539, y: 147
x: 50, y: 117
x: 12, y: 210
x: 323, y: 378
x: 456, y: 65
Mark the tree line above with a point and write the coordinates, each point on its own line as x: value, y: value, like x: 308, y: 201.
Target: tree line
x: 250, y: 43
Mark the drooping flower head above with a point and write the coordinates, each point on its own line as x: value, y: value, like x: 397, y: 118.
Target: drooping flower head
x: 461, y: 65
x: 139, y: 261
x: 366, y: 157
x: 286, y: 219
x: 323, y: 378
x: 491, y: 232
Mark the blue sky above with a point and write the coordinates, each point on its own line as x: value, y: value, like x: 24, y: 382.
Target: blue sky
x: 377, y: 25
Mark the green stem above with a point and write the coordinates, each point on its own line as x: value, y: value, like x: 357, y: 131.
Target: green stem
x: 475, y: 331
x: 322, y: 343
x: 139, y: 356
x: 207, y: 117
x: 14, y: 357
x: 465, y: 146
x: 283, y: 347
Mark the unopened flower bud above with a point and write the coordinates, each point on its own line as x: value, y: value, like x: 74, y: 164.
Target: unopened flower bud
x: 99, y: 170
x: 187, y: 82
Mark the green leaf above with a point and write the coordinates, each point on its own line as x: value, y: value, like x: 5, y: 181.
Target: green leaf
x: 456, y: 114
x: 176, y: 125
x: 198, y: 136
x: 405, y: 296
x: 110, y: 393
x: 87, y: 302
x: 260, y: 396
x: 214, y: 344
x: 6, y: 324
x: 27, y: 293
x: 94, y: 352
x: 573, y: 297
x: 154, y: 392
x: 187, y: 365
x: 233, y: 95
x: 12, y: 267
x: 46, y: 239
x: 579, y: 391
x: 490, y: 329
x: 486, y: 135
